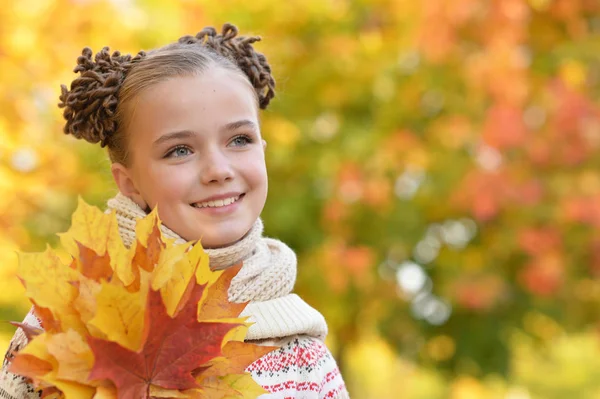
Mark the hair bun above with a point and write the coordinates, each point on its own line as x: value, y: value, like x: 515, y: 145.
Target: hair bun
x: 91, y: 103
x: 240, y: 51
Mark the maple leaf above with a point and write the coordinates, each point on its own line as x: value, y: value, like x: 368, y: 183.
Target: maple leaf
x: 216, y: 305
x: 237, y: 356
x: 72, y: 354
x: 225, y: 376
x: 150, y: 321
x: 92, y: 265
x: 147, y: 250
x: 174, y: 348
x: 49, y: 283
x: 97, y: 232
x: 175, y: 269
x: 37, y: 363
x: 120, y: 314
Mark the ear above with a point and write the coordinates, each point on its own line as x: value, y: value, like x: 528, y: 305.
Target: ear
x: 126, y: 184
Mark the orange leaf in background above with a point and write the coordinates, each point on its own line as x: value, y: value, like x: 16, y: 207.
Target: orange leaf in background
x: 572, y: 109
x: 531, y: 192
x: 358, y: 261
x: 484, y: 194
x: 544, y: 276
x: 582, y: 210
x: 347, y: 265
x: 479, y: 293
x: 504, y: 127
x: 537, y: 241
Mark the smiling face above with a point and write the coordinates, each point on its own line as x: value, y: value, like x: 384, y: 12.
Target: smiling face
x: 197, y: 153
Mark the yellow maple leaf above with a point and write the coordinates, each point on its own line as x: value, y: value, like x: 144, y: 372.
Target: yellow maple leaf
x: 214, y: 388
x: 245, y: 385
x: 86, y: 303
x: 175, y: 268
x: 98, y: 232
x: 120, y: 314
x: 73, y: 354
x: 48, y: 282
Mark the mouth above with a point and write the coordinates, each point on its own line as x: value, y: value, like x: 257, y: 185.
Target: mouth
x: 220, y: 203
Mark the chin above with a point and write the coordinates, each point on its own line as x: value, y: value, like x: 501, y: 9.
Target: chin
x: 221, y: 241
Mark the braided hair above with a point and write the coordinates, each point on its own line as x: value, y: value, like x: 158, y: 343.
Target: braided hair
x: 95, y: 106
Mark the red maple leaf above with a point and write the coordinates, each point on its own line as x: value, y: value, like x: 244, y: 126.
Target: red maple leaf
x: 173, y: 349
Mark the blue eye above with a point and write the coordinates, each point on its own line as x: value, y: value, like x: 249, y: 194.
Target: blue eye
x: 178, y: 152
x: 241, y: 140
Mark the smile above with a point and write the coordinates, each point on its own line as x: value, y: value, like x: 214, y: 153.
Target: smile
x: 217, y: 203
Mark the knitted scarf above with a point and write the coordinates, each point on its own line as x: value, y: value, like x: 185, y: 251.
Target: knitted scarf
x: 266, y: 278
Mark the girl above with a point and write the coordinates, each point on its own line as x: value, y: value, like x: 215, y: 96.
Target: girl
x: 182, y: 129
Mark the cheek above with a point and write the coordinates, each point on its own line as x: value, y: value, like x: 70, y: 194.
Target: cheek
x: 167, y: 185
x: 256, y: 172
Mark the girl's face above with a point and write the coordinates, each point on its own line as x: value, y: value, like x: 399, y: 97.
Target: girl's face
x: 196, y: 152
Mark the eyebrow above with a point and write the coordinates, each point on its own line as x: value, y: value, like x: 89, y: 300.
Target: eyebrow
x: 239, y: 124
x: 183, y: 134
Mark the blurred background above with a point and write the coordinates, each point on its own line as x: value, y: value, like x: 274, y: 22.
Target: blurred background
x: 435, y: 164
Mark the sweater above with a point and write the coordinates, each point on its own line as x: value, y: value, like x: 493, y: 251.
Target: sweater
x: 302, y: 367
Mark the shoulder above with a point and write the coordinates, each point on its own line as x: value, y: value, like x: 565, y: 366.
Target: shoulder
x: 302, y: 367
x: 14, y: 386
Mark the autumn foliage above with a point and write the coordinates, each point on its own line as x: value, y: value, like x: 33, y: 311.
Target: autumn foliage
x: 149, y: 321
x: 459, y: 135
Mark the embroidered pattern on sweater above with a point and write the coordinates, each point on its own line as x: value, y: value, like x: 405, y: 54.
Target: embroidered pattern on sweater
x: 302, y: 367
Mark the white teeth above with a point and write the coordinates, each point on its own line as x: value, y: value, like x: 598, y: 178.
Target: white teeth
x: 216, y: 203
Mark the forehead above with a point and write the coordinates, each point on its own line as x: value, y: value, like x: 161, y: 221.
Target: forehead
x: 200, y: 103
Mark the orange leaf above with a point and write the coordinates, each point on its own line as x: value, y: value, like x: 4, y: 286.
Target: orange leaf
x: 217, y: 305
x: 237, y: 357
x: 146, y: 255
x: 47, y: 320
x: 29, y: 366
x: 94, y: 266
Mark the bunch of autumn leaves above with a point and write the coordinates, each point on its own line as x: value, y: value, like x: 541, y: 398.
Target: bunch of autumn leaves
x: 151, y: 321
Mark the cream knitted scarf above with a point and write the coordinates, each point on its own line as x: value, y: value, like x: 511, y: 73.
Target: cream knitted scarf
x: 266, y: 278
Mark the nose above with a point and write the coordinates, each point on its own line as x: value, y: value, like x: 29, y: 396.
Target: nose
x: 216, y: 167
